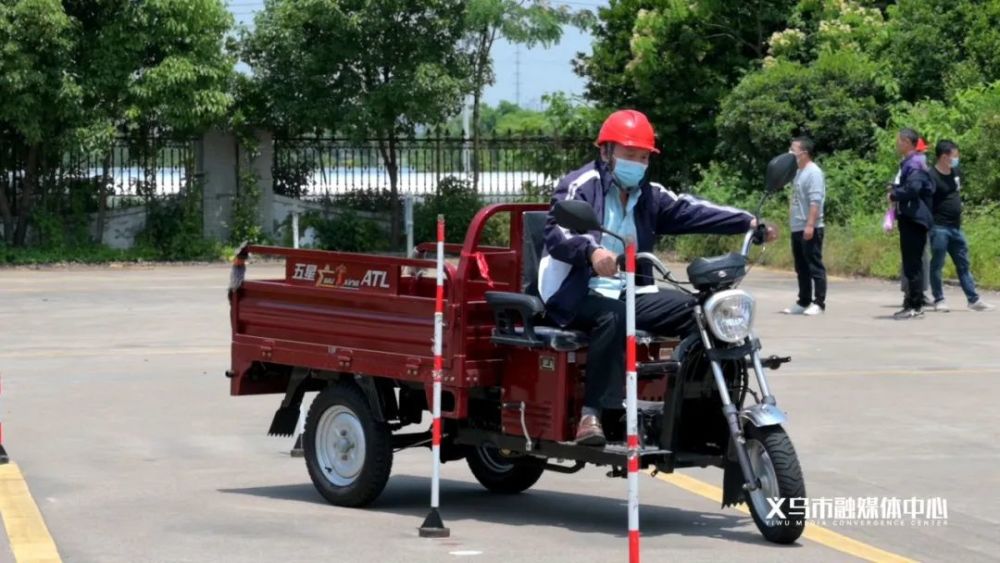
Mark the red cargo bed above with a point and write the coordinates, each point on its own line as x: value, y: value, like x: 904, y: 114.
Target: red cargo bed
x: 373, y: 315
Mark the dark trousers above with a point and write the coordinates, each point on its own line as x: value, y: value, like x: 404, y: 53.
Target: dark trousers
x: 927, y: 272
x: 666, y: 312
x: 912, y: 242
x: 809, y: 266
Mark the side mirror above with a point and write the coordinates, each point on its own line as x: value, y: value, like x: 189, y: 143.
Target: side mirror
x: 576, y: 215
x: 780, y: 171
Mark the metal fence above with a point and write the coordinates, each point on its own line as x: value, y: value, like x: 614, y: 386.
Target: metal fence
x: 130, y: 172
x: 508, y: 166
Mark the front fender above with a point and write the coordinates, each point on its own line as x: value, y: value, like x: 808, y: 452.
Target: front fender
x: 763, y: 414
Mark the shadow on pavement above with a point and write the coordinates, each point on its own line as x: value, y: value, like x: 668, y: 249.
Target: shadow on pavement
x: 409, y: 495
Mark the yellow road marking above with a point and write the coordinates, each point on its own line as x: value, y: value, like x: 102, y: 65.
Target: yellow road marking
x: 814, y: 532
x: 892, y: 372
x: 29, y: 537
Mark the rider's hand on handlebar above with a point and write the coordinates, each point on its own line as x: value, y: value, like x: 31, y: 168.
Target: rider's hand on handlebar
x: 770, y: 233
x: 603, y: 261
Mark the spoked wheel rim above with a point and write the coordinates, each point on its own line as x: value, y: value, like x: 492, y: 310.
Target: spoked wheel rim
x: 493, y: 460
x: 763, y: 469
x: 340, y: 445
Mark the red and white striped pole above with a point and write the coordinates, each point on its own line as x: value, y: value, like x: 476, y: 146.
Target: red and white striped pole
x: 3, y: 452
x: 433, y: 526
x: 631, y: 404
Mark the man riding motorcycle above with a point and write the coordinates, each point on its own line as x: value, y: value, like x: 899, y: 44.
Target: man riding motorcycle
x: 577, y: 275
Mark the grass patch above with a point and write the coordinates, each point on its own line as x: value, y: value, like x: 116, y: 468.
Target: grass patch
x: 98, y: 254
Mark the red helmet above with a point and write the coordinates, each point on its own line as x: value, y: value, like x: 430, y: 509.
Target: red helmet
x: 628, y: 128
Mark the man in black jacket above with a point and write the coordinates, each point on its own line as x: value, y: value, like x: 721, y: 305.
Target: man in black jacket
x: 913, y: 196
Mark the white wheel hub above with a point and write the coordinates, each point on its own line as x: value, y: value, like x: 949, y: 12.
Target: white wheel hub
x: 340, y: 445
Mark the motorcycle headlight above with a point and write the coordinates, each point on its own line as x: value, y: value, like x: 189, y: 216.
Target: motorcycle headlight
x: 730, y: 315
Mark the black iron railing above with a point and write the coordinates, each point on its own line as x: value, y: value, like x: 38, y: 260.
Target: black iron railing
x: 126, y: 173
x: 503, y: 167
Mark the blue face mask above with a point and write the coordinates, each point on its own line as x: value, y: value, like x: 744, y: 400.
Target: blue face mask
x: 629, y: 173
x: 954, y: 162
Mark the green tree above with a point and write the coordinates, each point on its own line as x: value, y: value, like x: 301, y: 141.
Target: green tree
x: 361, y: 67
x: 76, y: 72
x: 824, y: 76
x: 839, y: 100
x: 497, y: 119
x: 39, y: 99
x: 817, y: 26
x: 522, y: 122
x: 573, y: 126
x: 155, y: 67
x: 524, y: 22
x: 939, y: 46
x: 675, y: 60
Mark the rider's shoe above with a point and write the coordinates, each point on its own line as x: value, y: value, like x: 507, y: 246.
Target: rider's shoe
x: 589, y: 432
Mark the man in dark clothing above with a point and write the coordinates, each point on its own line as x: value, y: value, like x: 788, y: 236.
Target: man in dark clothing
x: 577, y: 275
x: 913, y: 196
x: 946, y: 235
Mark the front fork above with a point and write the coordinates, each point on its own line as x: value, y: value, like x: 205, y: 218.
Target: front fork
x: 729, y: 409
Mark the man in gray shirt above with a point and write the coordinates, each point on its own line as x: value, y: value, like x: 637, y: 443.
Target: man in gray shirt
x: 808, y: 195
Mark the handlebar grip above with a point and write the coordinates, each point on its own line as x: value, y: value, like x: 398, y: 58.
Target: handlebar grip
x: 760, y: 234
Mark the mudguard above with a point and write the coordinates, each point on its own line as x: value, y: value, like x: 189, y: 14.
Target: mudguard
x: 287, y: 416
x: 682, y: 349
x: 732, y: 483
x: 762, y: 415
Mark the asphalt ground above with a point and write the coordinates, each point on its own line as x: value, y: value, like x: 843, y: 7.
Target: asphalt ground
x: 117, y: 415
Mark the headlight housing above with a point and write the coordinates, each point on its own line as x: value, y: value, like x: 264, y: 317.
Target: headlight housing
x: 730, y: 315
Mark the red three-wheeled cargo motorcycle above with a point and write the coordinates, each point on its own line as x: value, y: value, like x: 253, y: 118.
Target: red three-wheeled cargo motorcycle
x: 358, y: 329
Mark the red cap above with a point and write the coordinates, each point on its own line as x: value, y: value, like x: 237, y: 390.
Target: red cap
x: 921, y: 145
x: 628, y: 128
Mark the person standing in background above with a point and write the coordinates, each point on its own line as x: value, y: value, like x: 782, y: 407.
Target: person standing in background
x: 808, y: 196
x: 903, y: 285
x: 913, y: 196
x: 946, y: 235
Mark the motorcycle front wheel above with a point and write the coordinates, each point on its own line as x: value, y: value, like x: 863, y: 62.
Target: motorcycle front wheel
x: 776, y: 465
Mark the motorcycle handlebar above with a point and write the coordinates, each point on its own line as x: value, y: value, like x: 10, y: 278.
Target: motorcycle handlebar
x: 757, y: 235
x: 657, y: 264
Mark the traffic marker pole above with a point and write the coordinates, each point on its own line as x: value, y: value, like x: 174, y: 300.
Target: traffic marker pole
x: 298, y: 449
x: 3, y: 452
x: 631, y: 404
x: 433, y: 526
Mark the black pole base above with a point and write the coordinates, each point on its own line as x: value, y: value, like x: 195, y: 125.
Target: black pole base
x: 297, y: 450
x: 3, y: 455
x: 433, y: 527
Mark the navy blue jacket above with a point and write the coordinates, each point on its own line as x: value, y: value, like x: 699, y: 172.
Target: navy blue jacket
x: 914, y: 194
x: 565, y: 270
